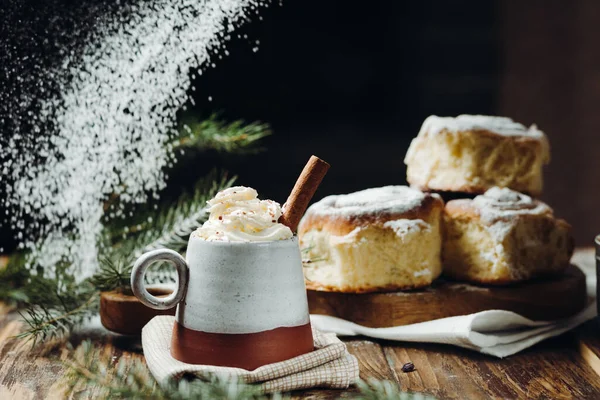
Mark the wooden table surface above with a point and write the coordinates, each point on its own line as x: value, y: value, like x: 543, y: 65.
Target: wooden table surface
x: 560, y: 368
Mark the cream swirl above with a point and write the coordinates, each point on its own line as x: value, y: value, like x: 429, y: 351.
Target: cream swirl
x: 505, y: 199
x: 237, y: 215
x: 499, y: 203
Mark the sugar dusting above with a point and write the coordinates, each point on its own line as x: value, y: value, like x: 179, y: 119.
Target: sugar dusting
x: 375, y: 201
x: 403, y: 227
x: 502, y: 203
x: 499, y: 208
x: 499, y: 125
x: 112, y: 123
x: 350, y: 237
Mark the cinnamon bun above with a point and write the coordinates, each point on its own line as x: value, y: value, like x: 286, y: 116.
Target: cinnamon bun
x: 379, y: 239
x: 472, y: 153
x: 503, y: 236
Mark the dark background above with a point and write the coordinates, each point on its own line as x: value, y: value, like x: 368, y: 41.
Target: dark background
x: 352, y: 82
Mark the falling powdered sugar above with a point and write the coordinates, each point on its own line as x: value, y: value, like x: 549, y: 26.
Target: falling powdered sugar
x: 112, y: 121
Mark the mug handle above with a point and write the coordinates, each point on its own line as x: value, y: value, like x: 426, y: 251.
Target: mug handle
x: 139, y: 271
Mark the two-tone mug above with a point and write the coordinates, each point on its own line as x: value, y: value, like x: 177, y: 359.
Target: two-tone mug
x: 239, y: 304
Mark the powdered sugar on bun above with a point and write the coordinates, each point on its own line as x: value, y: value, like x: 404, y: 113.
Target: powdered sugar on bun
x: 499, y: 125
x: 380, y: 239
x: 503, y: 203
x: 504, y: 236
x: 371, y: 202
x: 403, y: 227
x: 500, y: 209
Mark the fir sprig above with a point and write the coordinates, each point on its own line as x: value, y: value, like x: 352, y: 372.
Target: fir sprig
x: 168, y: 226
x: 56, y: 319
x: 88, y: 370
x: 112, y: 274
x: 214, y: 133
x: 57, y: 306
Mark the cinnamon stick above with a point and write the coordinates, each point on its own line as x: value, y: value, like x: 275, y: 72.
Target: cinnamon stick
x: 303, y: 191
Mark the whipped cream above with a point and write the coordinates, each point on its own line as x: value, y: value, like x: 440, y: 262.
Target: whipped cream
x: 237, y: 215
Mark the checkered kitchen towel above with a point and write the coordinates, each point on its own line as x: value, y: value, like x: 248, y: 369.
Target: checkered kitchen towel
x: 328, y: 366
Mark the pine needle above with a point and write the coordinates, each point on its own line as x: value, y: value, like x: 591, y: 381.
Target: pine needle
x: 89, y: 373
x: 168, y: 227
x: 47, y: 323
x: 112, y: 274
x: 236, y: 137
x: 55, y: 306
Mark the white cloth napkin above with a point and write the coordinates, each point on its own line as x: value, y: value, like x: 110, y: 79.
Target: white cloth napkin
x: 495, y: 332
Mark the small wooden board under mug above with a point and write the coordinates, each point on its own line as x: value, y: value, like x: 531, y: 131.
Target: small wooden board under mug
x: 540, y: 300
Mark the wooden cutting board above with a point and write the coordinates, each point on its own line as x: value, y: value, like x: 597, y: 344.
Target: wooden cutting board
x: 540, y: 300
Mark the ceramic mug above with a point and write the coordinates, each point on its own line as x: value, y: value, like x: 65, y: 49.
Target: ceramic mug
x: 239, y: 304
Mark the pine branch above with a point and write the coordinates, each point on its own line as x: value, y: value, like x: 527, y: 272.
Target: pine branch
x: 57, y: 306
x: 88, y: 370
x: 54, y: 305
x: 56, y: 322
x: 168, y: 228
x: 112, y: 274
x: 213, y: 133
x: 171, y: 225
x: 21, y: 285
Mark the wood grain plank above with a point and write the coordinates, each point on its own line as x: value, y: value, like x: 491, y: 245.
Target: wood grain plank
x: 543, y: 300
x: 559, y: 368
x: 588, y: 343
x: 372, y: 360
x: 553, y: 369
x: 24, y: 374
x: 373, y: 364
x: 437, y: 372
x: 27, y: 373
